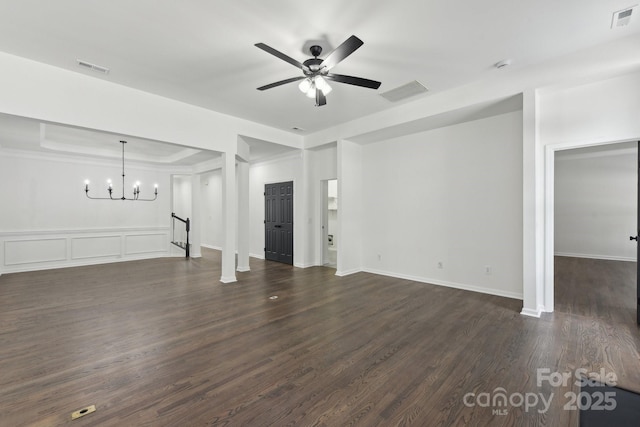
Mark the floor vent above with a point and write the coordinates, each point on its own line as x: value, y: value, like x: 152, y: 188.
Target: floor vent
x: 82, y: 412
x: 405, y: 91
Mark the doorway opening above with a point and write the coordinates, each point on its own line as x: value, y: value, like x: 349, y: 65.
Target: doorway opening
x: 330, y: 237
x: 592, y: 209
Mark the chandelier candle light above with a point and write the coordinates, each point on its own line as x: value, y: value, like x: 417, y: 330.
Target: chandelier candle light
x: 136, y: 187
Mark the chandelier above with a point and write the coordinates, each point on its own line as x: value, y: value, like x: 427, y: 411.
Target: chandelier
x: 136, y: 187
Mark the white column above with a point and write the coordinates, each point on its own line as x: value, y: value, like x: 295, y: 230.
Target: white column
x: 532, y: 223
x: 243, y: 216
x: 195, y: 237
x: 229, y: 218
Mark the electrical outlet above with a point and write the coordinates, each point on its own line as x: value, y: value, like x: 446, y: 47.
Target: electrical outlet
x: 379, y: 257
x: 440, y: 265
x: 487, y: 269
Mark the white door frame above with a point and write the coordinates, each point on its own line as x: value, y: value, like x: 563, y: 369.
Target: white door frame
x: 549, y: 216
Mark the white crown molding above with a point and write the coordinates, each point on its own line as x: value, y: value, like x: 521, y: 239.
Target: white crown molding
x: 60, y: 147
x: 110, y: 153
x: 69, y: 158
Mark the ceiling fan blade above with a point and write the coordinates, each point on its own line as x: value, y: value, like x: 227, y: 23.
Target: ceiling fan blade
x: 282, y: 56
x: 320, y: 98
x: 281, y: 82
x: 356, y: 81
x: 341, y: 52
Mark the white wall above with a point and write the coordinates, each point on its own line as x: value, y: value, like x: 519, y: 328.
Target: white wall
x: 322, y: 165
x: 211, y: 189
x: 48, y: 194
x: 46, y: 221
x: 603, y: 111
x: 595, y: 204
x: 182, y: 195
x: 289, y: 168
x: 353, y: 211
x: 450, y: 195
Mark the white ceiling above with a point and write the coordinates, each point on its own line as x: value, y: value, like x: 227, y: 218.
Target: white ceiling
x: 202, y: 51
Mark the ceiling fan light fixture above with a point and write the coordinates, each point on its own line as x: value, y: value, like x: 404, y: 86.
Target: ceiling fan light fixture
x: 305, y: 85
x: 313, y: 82
x: 309, y: 86
x: 311, y: 93
x: 322, y: 84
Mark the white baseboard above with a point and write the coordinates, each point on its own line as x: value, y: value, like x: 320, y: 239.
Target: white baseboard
x: 85, y: 263
x: 343, y: 273
x: 217, y: 248
x: 532, y: 313
x: 455, y: 285
x: 592, y: 256
x: 228, y: 279
x: 302, y: 265
x: 243, y: 269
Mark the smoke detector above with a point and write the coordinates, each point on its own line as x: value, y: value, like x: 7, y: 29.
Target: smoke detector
x: 622, y: 17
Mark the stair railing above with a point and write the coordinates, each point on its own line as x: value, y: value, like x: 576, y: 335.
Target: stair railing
x: 181, y: 243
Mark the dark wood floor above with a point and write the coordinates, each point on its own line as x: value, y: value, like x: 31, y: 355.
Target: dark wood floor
x: 164, y: 343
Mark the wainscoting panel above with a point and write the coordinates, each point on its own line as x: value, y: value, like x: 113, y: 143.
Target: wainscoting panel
x: 95, y: 246
x: 46, y: 249
x: 30, y: 251
x: 145, y: 243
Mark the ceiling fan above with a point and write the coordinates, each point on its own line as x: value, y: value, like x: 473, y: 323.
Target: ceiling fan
x: 316, y: 71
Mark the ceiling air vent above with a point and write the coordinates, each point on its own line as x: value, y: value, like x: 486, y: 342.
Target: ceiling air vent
x: 93, y: 67
x: 622, y: 17
x: 405, y: 91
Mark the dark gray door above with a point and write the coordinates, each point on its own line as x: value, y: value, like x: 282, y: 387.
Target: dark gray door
x: 278, y: 222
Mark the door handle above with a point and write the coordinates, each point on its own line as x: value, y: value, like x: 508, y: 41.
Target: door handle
x: 633, y: 238
x: 278, y: 226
